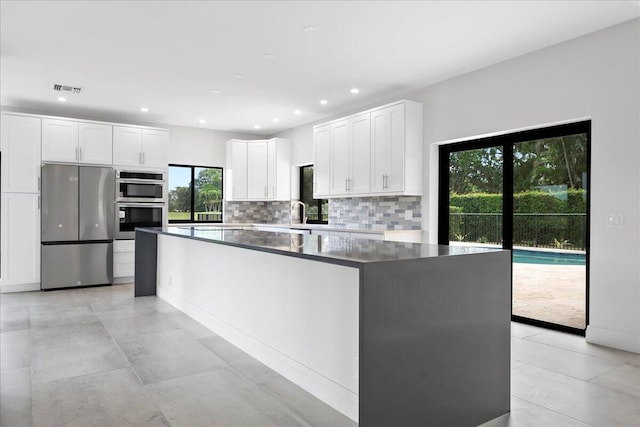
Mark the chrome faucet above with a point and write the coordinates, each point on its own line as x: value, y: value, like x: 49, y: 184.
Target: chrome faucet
x: 304, y: 210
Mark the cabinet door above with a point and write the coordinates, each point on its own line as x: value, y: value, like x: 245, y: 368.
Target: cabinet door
x: 59, y: 141
x: 272, y: 167
x: 21, y: 138
x: 127, y: 146
x: 257, y: 171
x: 95, y: 143
x: 396, y: 130
x: 379, y: 148
x: 20, y: 239
x: 322, y: 161
x: 238, y: 170
x: 154, y: 148
x: 339, y: 157
x: 359, y: 155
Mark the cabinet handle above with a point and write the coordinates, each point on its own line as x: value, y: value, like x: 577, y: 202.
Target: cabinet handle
x: 346, y: 188
x: 39, y: 203
x: 80, y: 154
x: 76, y: 155
x: 39, y: 183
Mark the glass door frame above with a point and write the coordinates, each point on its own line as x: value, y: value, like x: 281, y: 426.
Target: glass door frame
x: 506, y: 142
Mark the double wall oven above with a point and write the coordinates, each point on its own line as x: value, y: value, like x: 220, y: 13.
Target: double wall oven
x: 140, y: 201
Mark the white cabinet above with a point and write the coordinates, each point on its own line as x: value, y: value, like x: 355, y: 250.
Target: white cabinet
x: 350, y: 147
x: 322, y: 161
x: 95, y: 143
x: 76, y: 142
x: 236, y: 170
x: 21, y: 136
x: 155, y: 144
x: 124, y: 258
x: 396, y: 149
x: 258, y: 170
x: 376, y: 152
x: 279, y: 164
x: 20, y: 241
x: 140, y: 147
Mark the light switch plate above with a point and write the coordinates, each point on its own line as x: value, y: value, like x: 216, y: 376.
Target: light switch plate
x: 408, y: 215
x: 614, y: 220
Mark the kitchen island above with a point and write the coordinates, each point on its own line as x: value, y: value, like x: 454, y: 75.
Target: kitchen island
x: 387, y: 333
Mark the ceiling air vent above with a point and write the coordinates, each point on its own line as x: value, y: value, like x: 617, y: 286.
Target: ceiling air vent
x: 64, y: 88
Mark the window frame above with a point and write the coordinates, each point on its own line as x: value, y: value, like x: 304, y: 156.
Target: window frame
x: 192, y: 190
x: 317, y: 202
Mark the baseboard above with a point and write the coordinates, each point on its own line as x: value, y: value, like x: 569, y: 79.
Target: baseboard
x: 5, y: 289
x: 621, y: 340
x: 333, y: 394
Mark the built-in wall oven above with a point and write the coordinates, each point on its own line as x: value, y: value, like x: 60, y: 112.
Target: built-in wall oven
x: 132, y: 215
x: 136, y: 186
x: 140, y: 201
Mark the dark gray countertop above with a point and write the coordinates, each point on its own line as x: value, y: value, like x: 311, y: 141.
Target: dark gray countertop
x: 352, y: 252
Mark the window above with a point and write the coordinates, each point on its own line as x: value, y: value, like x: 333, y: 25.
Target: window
x: 195, y: 194
x: 317, y: 209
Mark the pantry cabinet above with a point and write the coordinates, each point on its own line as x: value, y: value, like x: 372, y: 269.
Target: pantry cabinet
x: 20, y: 145
x: 374, y: 153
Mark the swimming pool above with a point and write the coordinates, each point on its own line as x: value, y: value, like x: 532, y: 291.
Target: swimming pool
x: 555, y: 258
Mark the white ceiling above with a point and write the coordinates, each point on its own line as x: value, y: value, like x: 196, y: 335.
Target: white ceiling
x: 169, y: 55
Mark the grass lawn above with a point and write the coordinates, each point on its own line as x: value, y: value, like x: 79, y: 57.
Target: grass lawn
x: 179, y: 216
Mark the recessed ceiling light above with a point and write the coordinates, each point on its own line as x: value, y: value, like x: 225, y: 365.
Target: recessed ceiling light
x: 355, y: 90
x: 256, y: 127
x: 214, y: 91
x: 202, y: 121
x: 61, y: 99
x: 297, y: 112
x: 309, y: 28
x: 269, y: 56
x: 276, y: 120
x: 144, y: 109
x: 239, y: 76
x: 324, y: 102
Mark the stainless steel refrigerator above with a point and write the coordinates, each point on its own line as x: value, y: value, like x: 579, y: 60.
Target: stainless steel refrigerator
x: 77, y: 226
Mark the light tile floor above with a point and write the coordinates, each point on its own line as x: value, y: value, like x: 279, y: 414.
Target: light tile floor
x: 98, y: 356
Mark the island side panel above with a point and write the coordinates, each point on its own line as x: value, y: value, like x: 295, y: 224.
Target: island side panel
x: 145, y: 264
x: 435, y: 341
x: 297, y: 316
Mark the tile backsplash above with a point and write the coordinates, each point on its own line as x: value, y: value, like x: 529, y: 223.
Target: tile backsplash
x: 377, y: 213
x: 245, y: 212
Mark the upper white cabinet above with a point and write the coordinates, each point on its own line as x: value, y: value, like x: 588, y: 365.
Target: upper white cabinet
x: 20, y: 143
x: 377, y: 152
x: 279, y: 166
x: 140, y: 147
x: 76, y: 142
x: 322, y: 161
x: 350, y: 156
x: 258, y: 170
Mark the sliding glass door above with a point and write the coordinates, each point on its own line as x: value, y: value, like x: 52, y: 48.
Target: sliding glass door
x: 527, y: 192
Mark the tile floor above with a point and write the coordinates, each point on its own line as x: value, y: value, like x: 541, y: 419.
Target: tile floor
x: 98, y: 356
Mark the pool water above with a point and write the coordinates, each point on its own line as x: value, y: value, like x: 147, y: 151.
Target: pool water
x: 555, y: 258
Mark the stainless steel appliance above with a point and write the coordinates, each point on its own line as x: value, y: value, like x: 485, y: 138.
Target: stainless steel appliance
x: 137, y: 186
x: 132, y: 215
x: 76, y: 226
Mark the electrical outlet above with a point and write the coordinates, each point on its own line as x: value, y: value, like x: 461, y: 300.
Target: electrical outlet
x: 614, y: 220
x: 408, y: 215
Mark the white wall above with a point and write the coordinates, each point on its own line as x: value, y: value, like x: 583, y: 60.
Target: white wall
x: 200, y: 147
x: 595, y: 76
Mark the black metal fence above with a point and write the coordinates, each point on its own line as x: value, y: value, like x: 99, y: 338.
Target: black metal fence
x: 560, y: 231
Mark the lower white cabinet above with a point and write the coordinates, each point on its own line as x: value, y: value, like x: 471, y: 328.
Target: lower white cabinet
x: 124, y: 260
x: 20, y: 241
